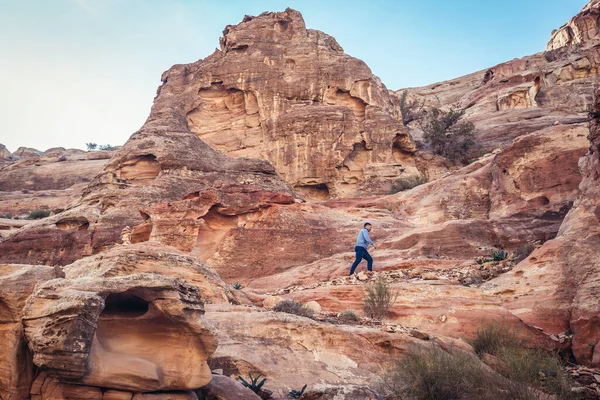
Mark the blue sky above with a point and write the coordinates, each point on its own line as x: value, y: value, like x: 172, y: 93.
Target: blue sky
x: 77, y: 71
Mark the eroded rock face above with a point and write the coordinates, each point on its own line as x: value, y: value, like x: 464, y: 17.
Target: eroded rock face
x: 561, y: 293
x: 5, y: 155
x: 580, y: 29
x: 528, y: 94
x: 16, y: 364
x: 289, y: 95
x: 95, y: 327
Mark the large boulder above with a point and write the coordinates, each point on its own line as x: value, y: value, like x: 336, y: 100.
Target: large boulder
x: 95, y: 326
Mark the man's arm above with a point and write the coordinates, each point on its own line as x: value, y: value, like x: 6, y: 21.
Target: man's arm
x: 368, y: 238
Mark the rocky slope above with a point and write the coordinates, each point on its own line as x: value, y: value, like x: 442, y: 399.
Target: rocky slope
x: 209, y: 192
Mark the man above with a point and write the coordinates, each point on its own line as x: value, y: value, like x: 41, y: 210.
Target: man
x: 363, y: 241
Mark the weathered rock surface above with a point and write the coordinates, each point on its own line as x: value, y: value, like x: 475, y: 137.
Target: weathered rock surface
x: 51, y: 181
x: 291, y: 96
x: 27, y: 152
x: 528, y: 94
x: 318, y: 352
x: 5, y: 155
x: 95, y: 327
x: 226, y: 388
x: 16, y: 366
x: 562, y: 278
x: 580, y: 30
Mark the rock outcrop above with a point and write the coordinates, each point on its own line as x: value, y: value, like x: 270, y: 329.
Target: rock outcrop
x: 290, y: 95
x: 90, y: 325
x: 557, y: 287
x: 16, y: 366
x: 579, y: 31
x: 51, y: 181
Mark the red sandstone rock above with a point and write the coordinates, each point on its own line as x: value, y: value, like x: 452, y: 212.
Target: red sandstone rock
x: 289, y: 95
x: 93, y: 327
x: 16, y: 365
x: 557, y: 287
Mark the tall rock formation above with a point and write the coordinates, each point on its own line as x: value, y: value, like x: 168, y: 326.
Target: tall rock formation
x: 290, y: 95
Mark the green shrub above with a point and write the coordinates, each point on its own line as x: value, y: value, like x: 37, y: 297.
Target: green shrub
x: 253, y: 383
x: 523, y: 366
x: 491, y: 337
x: 499, y: 255
x: 91, y: 146
x: 237, y: 286
x: 428, y: 372
x: 293, y: 307
x: 537, y: 368
x: 38, y: 214
x: 447, y: 135
x: 296, y: 394
x: 379, y: 299
x: 7, y: 216
x: 407, y: 182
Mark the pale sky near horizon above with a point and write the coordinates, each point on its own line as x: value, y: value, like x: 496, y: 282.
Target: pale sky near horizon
x: 78, y: 71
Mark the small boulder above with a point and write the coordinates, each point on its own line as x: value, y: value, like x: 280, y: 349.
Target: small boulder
x: 362, y: 276
x: 313, y: 306
x: 272, y: 301
x: 418, y: 334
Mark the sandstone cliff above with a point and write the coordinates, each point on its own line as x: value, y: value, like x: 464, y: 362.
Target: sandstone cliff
x: 211, y: 188
x: 290, y: 95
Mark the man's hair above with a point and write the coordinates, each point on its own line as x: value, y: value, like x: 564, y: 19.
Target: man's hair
x: 367, y: 223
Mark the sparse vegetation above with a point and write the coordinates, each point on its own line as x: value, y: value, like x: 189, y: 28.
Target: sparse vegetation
x: 91, y: 146
x: 253, y: 384
x: 296, y: 394
x: 407, y: 182
x: 237, y: 286
x: 94, y: 146
x: 522, y: 253
x: 38, y: 214
x: 493, y: 336
x: 499, y: 255
x: 447, y: 135
x: 349, y: 316
x: 6, y: 216
x: 379, y: 299
x: 293, y: 307
x: 428, y: 372
x: 408, y: 108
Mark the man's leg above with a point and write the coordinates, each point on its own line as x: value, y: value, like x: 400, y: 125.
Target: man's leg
x: 359, y: 256
x: 369, y: 259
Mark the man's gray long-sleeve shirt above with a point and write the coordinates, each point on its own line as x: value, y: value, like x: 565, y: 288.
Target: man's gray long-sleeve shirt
x: 363, y: 239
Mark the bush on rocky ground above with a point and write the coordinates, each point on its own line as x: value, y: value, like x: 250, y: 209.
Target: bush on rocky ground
x: 293, y: 307
x: 448, y: 136
x: 349, y: 316
x: 428, y: 372
x: 38, y: 214
x: 379, y: 299
x: 407, y: 182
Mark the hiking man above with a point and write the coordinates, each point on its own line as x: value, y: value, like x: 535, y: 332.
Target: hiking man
x: 363, y: 241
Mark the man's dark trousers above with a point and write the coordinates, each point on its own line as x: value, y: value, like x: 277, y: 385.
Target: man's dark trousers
x: 361, y: 253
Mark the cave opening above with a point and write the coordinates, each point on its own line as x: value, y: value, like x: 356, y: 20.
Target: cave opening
x: 125, y: 304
